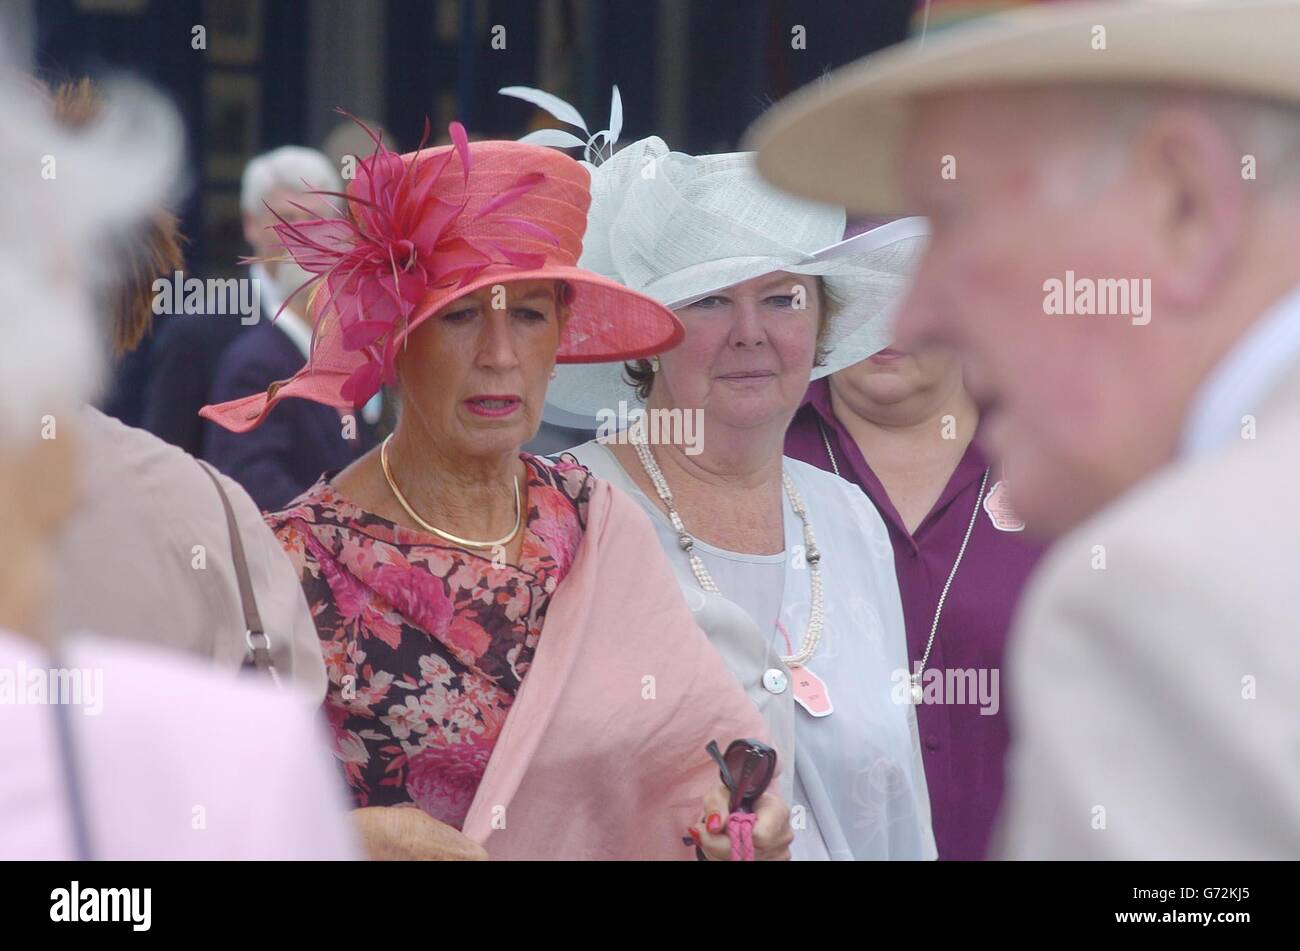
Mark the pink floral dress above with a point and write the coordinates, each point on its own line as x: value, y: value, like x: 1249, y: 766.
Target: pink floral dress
x: 425, y: 643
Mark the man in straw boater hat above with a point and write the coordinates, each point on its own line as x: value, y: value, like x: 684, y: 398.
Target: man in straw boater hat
x: 1114, y: 196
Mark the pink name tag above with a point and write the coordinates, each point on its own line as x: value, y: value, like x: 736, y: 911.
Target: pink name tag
x: 810, y: 693
x: 998, y: 505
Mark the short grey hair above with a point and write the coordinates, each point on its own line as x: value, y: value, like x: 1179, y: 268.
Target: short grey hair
x: 290, y: 167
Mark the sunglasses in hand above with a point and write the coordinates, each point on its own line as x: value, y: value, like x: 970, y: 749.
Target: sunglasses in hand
x: 746, y: 769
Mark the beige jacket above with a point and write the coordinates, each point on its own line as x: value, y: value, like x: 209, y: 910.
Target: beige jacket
x: 147, y: 558
x: 1155, y: 702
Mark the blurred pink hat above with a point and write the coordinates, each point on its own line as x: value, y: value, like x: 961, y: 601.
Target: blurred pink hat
x: 428, y: 227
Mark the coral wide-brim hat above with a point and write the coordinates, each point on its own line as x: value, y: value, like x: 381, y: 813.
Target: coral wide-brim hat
x: 426, y: 228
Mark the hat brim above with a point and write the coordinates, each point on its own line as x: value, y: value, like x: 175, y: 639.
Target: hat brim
x: 867, y: 274
x: 839, y: 140
x: 607, y: 321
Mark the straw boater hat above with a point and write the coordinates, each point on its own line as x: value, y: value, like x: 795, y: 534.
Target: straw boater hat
x: 840, y: 139
x: 431, y: 226
x: 679, y: 227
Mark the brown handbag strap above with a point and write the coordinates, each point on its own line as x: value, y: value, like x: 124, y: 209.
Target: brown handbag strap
x: 259, y: 644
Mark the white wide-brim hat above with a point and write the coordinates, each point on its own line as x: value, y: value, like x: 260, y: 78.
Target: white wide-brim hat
x: 839, y: 139
x: 680, y: 227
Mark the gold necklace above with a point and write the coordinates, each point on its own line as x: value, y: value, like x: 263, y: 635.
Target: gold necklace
x: 455, y: 539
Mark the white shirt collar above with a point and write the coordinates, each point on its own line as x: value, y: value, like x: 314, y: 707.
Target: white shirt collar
x: 1244, y: 377
x: 293, y: 326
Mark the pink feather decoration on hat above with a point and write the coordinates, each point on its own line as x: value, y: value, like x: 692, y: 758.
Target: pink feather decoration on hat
x: 399, y: 240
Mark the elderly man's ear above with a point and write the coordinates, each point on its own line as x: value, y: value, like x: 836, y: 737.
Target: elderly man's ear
x: 1197, y: 203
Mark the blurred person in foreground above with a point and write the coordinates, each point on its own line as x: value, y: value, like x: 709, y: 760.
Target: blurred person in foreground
x: 150, y: 556
x: 1118, y: 259
x: 155, y: 251
x: 507, y: 648
x: 109, y: 749
x: 288, y: 453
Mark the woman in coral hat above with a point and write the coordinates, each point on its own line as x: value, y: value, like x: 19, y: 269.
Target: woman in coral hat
x: 507, y: 647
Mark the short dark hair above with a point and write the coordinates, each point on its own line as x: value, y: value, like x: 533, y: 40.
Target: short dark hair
x: 639, y: 375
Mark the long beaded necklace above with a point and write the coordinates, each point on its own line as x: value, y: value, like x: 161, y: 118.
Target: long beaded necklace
x: 813, y: 633
x: 917, y: 693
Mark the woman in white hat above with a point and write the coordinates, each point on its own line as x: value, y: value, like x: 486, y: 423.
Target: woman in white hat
x: 787, y: 568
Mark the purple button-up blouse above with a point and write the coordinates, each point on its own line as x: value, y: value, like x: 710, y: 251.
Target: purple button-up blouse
x: 962, y: 746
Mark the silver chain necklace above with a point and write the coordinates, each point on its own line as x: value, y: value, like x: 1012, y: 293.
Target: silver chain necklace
x: 917, y: 693
x: 813, y: 633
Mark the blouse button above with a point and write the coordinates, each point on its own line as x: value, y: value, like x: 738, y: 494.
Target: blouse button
x: 775, y: 681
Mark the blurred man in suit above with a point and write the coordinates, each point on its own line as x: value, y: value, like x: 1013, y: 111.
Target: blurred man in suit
x: 1114, y: 246
x: 183, y: 359
x: 282, y: 458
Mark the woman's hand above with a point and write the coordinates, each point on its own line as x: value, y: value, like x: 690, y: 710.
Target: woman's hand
x: 396, y: 833
x: 772, y: 832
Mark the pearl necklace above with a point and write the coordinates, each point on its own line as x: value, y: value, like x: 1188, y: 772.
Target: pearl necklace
x: 813, y: 634
x: 454, y: 539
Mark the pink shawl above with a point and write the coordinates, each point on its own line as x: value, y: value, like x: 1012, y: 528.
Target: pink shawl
x: 602, y: 755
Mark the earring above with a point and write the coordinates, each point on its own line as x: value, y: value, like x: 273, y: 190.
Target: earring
x: 654, y: 364
x: 553, y: 373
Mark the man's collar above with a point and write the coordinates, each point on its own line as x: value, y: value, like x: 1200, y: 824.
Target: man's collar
x: 1243, y: 378
x: 289, y: 323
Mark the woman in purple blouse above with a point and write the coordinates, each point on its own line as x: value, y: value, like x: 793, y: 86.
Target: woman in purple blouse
x: 903, y: 427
